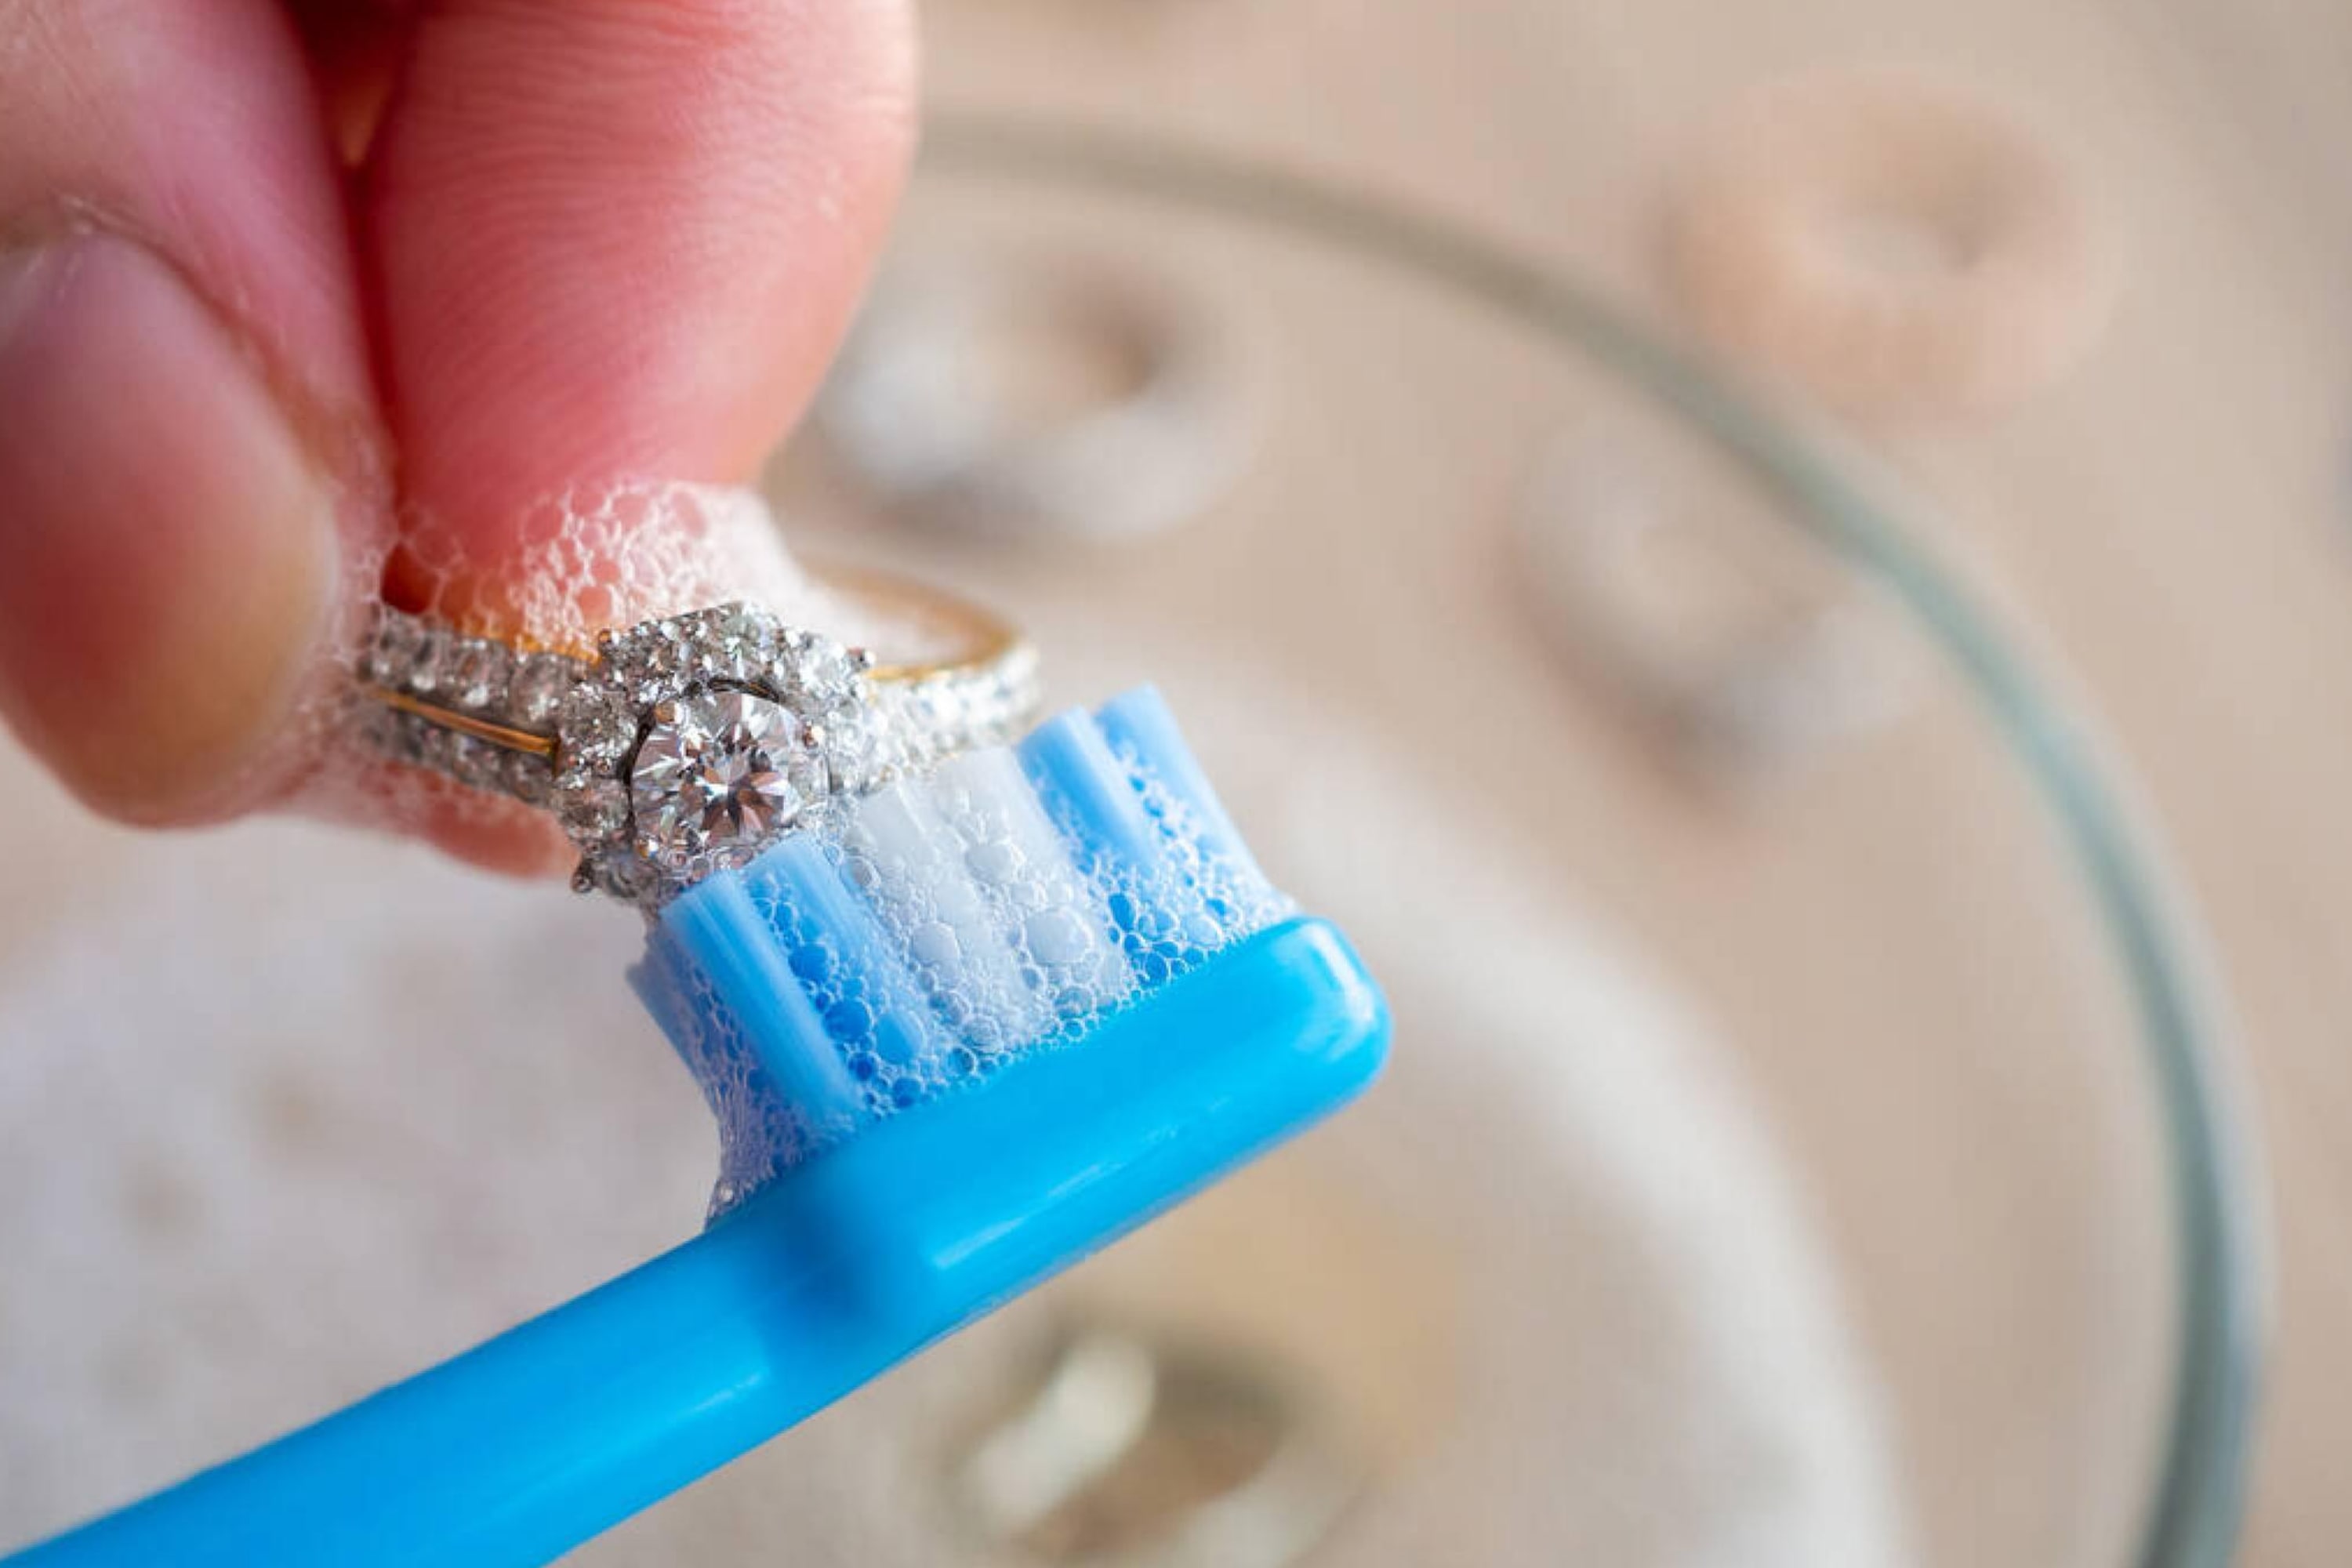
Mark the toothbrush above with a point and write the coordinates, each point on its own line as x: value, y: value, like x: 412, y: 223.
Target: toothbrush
x: 974, y: 1028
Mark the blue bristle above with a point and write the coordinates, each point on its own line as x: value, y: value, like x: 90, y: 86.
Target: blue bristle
x: 763, y: 1004
x: 1137, y: 726
x: 1087, y: 790
x: 880, y: 1022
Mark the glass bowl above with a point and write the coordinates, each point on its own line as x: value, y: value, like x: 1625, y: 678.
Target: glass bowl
x: 1805, y: 1141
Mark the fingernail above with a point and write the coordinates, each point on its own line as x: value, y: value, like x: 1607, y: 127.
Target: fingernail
x: 167, y: 548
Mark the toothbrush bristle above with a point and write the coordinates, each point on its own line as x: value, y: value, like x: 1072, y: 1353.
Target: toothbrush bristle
x: 944, y: 926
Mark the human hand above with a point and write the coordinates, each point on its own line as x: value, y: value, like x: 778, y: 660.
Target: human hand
x: 280, y: 281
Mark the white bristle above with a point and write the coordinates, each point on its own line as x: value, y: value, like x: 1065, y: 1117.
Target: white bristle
x: 1053, y: 917
x: 912, y: 863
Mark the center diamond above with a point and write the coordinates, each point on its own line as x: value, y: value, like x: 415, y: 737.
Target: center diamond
x: 719, y: 773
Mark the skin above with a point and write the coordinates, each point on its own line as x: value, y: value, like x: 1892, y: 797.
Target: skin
x: 273, y: 276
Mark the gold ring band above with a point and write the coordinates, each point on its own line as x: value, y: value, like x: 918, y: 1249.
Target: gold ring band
x: 984, y: 638
x: 686, y: 744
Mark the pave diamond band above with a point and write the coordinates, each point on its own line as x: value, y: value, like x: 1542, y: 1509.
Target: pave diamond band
x: 688, y: 743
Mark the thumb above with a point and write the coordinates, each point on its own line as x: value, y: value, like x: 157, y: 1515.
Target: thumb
x: 170, y: 556
x: 180, y: 375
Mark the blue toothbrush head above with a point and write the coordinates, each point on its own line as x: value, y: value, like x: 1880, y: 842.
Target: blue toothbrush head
x: 1062, y: 949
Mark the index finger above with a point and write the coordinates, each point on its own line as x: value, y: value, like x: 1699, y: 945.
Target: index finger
x: 611, y: 239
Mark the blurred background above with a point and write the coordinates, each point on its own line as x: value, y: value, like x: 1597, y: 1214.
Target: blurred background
x: 1766, y: 562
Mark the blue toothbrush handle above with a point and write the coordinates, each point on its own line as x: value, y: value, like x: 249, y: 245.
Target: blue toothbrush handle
x: 528, y: 1444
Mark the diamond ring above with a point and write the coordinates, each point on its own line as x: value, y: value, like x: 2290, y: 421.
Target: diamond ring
x: 688, y: 743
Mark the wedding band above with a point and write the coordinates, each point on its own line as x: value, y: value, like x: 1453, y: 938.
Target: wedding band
x: 689, y: 743
x: 1743, y: 649
x: 925, y: 401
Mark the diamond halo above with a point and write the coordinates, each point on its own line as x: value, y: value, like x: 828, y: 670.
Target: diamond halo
x: 716, y: 725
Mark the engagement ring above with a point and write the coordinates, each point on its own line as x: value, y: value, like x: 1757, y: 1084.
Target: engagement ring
x: 690, y: 743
